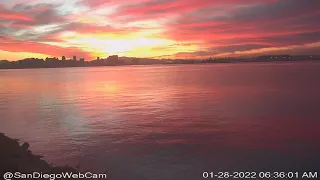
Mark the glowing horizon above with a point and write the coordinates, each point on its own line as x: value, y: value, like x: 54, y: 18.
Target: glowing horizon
x: 157, y: 28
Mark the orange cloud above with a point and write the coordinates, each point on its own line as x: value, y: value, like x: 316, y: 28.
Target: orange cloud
x: 13, y: 45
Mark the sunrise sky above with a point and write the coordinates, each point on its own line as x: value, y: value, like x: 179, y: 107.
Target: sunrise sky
x: 158, y: 28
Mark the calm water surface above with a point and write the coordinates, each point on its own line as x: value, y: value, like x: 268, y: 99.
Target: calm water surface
x: 168, y: 122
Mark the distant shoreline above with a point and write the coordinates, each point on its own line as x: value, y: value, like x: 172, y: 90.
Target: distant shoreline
x: 160, y: 64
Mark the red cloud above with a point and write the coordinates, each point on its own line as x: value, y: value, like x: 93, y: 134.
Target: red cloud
x: 15, y: 16
x: 165, y: 7
x: 226, y: 24
x: 13, y: 45
x: 251, y: 25
x: 94, y: 29
x: 152, y: 8
x: 98, y: 3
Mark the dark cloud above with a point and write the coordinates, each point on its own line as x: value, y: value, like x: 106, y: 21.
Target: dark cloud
x: 223, y: 49
x: 242, y: 47
x: 294, y: 39
x: 276, y: 11
x: 246, y: 51
x: 255, y: 26
x: 42, y: 13
x: 274, y: 41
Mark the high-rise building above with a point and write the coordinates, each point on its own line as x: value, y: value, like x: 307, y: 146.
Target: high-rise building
x: 81, y: 59
x: 63, y: 58
x: 74, y: 58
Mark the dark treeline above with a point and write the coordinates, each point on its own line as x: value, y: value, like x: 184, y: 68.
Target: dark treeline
x: 116, y: 61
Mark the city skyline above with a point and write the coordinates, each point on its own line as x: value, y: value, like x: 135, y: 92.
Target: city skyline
x: 158, y: 28
x: 115, y: 60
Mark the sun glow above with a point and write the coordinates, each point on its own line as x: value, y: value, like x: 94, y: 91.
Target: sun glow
x: 136, y: 44
x: 107, y: 46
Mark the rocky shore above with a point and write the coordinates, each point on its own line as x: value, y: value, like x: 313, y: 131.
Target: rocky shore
x: 18, y: 158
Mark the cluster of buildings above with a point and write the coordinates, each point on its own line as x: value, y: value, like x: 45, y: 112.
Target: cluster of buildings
x: 63, y: 59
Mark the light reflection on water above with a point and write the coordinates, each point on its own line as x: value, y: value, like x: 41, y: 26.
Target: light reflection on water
x: 167, y: 122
